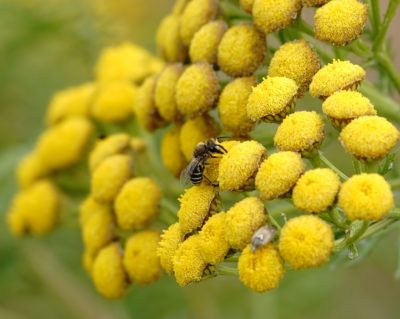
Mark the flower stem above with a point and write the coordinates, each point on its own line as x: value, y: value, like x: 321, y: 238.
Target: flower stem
x: 389, y: 15
x: 375, y: 15
x: 226, y: 270
x: 357, y: 166
x: 331, y: 166
x: 357, y: 229
x: 387, y: 64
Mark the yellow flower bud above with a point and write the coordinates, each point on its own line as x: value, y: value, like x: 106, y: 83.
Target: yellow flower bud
x: 366, y: 197
x: 241, y: 50
x: 169, y: 42
x: 179, y: 6
x: 295, y: 60
x: 132, y: 208
x: 271, y: 15
x: 140, y: 259
x: 239, y: 166
x: 272, y: 100
x: 108, y: 272
x: 262, y: 270
x: 300, y: 132
x: 314, y: 3
x: 316, y: 190
x: 88, y: 260
x: 29, y: 170
x: 16, y: 219
x: 247, y: 5
x: 278, y: 174
x: 340, y: 21
x: 369, y: 137
x: 90, y: 207
x: 167, y: 246
x: 306, y: 242
x: 171, y: 153
x: 338, y: 75
x: 242, y: 220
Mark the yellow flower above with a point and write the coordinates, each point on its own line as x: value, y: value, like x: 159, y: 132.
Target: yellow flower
x: 88, y: 260
x: 204, y: 45
x: 140, y: 259
x: 300, y: 132
x: 90, y: 207
x: 239, y: 166
x: 314, y: 3
x: 262, y: 270
x: 338, y: 75
x: 241, y: 50
x: 29, y: 170
x: 196, y: 14
x: 272, y: 15
x: 138, y: 145
x: 167, y: 246
x: 278, y: 174
x: 247, y: 5
x: 242, y: 220
x: 232, y: 106
x: 295, y: 60
x: 171, y: 153
x: 340, y: 21
x: 366, y: 197
x: 165, y: 90
x: 137, y: 203
x: 108, y: 272
x: 272, y: 100
x: 197, y: 203
x: 179, y: 6
x: 306, y: 242
x: 109, y: 177
x: 316, y: 190
x: 113, y: 101
x: 344, y: 106
x: 369, y: 137
x: 64, y: 144
x: 197, y: 90
x: 16, y: 216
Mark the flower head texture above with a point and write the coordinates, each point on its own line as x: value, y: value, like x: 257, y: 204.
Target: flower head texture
x: 171, y: 153
x: 167, y: 246
x: 30, y: 169
x: 168, y: 40
x: 90, y: 207
x: 247, y: 5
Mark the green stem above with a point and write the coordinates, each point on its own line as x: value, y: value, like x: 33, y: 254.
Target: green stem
x: 337, y: 218
x: 233, y: 258
x: 226, y: 270
x: 376, y: 15
x: 377, y: 227
x: 387, y: 63
x: 357, y: 229
x: 389, y: 15
x: 357, y: 166
x: 274, y: 222
x: 331, y: 166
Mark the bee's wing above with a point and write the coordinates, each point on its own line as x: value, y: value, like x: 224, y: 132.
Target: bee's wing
x: 187, y: 172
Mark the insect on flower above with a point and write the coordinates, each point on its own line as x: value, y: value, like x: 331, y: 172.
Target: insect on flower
x: 262, y: 236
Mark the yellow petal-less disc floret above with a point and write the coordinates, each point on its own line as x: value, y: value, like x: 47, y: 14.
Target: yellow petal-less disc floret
x: 271, y: 15
x: 300, y: 132
x: 242, y: 220
x: 108, y: 272
x: 171, y: 153
x: 169, y: 42
x: 204, y: 45
x: 167, y: 246
x: 295, y: 60
x: 340, y: 21
x: 232, y: 106
x: 239, y: 166
x: 262, y: 270
x: 197, y: 90
x: 366, y: 197
x: 132, y: 209
x: 278, y: 174
x: 29, y: 170
x: 338, y: 75
x: 241, y: 50
x: 306, y: 242
x: 314, y: 3
x: 316, y: 190
x: 90, y: 207
x: 140, y: 259
x: 247, y: 5
x: 369, y: 137
x: 272, y: 100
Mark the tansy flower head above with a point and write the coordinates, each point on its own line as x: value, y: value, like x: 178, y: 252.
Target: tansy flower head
x: 171, y: 153
x: 90, y: 207
x: 306, y: 242
x: 261, y: 270
x: 164, y: 95
x: 15, y: 217
x: 300, y: 132
x: 344, y: 106
x: 239, y: 166
x: 197, y: 90
x: 272, y: 100
x: 241, y: 50
x: 232, y: 106
x: 29, y: 170
x: 295, y: 60
x: 108, y: 272
x: 197, y: 203
x: 271, y: 15
x: 366, y: 197
x: 88, y: 260
x: 132, y: 209
x: 316, y: 190
x: 167, y: 246
x: 140, y: 259
x: 340, y: 21
x: 278, y: 174
x: 369, y: 137
x: 314, y: 3
x: 242, y: 220
x: 204, y: 45
x: 64, y: 144
x: 109, y: 177
x: 338, y: 75
x: 247, y: 5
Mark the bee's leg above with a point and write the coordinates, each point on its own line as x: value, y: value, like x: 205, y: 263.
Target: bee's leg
x: 212, y: 183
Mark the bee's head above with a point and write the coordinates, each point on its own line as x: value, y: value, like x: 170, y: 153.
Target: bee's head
x: 200, y: 149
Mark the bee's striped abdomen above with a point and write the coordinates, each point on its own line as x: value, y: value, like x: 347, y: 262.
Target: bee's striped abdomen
x: 197, y: 176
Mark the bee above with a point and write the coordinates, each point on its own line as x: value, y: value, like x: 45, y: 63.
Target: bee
x: 202, y: 152
x: 262, y: 236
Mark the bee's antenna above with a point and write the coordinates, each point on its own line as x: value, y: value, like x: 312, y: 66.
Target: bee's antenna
x: 223, y: 138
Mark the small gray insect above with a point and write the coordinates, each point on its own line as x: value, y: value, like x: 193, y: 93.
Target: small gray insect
x: 262, y: 236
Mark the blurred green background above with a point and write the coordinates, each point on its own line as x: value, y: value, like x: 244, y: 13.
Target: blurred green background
x: 47, y: 45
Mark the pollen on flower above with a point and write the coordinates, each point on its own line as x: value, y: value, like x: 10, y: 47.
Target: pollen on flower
x: 171, y: 153
x: 247, y: 5
x: 167, y: 246
x: 366, y: 197
x: 278, y: 174
x: 89, y: 207
x: 261, y: 270
x: 29, y: 170
x: 306, y: 242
